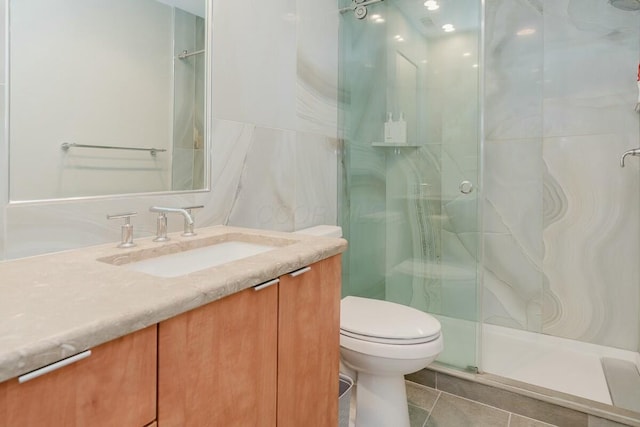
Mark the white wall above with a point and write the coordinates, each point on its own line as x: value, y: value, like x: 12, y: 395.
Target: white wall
x: 76, y: 77
x: 274, y: 136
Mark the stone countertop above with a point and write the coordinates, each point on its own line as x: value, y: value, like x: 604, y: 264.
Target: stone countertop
x: 54, y: 306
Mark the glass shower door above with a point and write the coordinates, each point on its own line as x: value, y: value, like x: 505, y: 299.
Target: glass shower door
x: 410, y: 122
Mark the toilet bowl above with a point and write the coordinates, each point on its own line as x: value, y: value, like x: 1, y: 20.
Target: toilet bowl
x: 383, y: 341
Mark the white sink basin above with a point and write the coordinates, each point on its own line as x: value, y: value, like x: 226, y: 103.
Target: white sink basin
x: 185, y: 262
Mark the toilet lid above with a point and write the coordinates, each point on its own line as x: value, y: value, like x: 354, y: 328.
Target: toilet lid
x: 387, y: 321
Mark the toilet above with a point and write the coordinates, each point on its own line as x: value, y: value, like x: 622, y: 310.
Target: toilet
x: 383, y: 341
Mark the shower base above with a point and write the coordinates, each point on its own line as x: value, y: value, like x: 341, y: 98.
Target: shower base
x: 554, y: 363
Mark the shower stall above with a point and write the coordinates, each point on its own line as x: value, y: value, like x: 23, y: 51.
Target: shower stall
x: 481, y: 181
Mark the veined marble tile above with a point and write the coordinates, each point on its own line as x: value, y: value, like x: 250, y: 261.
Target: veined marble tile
x: 576, y: 32
x: 254, y: 62
x: 514, y: 281
x: 265, y: 196
x: 316, y: 180
x: 182, y: 172
x: 231, y: 142
x: 317, y: 67
x: 184, y: 90
x: 581, y: 20
x: 591, y: 236
x: 34, y: 229
x: 501, y: 303
x: 606, y: 114
x: 513, y: 181
x: 513, y: 69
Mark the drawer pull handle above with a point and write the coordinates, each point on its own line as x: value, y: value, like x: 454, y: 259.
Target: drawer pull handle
x: 266, y: 284
x: 299, y: 272
x: 54, y: 366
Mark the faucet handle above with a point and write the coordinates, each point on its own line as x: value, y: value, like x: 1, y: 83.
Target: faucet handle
x: 188, y: 227
x: 126, y: 240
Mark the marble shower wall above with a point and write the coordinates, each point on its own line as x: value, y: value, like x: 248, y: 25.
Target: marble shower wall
x: 561, y: 216
x: 274, y: 154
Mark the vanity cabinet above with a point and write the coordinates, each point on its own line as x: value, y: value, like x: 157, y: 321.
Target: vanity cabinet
x: 265, y: 357
x: 217, y: 363
x: 309, y: 346
x: 114, y: 386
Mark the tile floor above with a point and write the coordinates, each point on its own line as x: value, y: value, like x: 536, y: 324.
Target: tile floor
x: 429, y: 407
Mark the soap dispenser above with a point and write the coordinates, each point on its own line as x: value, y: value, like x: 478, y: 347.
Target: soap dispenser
x: 388, y: 128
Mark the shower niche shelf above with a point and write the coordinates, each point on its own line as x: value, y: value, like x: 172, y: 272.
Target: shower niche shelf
x: 395, y: 145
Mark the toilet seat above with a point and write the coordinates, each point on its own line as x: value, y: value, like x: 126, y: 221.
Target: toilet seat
x: 386, y: 322
x: 392, y: 341
x: 390, y: 351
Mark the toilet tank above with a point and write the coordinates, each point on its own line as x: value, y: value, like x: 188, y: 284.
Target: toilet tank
x: 322, y: 230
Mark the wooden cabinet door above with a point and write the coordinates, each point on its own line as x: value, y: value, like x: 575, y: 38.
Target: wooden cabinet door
x: 217, y: 363
x: 309, y: 346
x: 115, y: 386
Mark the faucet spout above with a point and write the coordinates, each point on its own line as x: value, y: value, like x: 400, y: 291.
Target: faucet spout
x: 187, y: 216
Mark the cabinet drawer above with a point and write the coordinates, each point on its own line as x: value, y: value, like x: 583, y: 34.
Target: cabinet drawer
x: 115, y: 386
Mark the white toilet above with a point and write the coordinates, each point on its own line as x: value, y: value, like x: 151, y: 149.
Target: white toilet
x: 382, y: 341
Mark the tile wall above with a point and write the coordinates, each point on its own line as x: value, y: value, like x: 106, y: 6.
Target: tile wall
x: 561, y: 226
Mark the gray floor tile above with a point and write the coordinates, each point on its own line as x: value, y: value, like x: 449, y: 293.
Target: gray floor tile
x: 417, y: 416
x: 601, y: 422
x: 519, y: 421
x: 421, y: 396
x: 424, y: 376
x: 512, y: 402
x: 453, y: 411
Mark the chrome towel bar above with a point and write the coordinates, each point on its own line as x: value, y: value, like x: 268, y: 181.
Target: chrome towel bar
x: 185, y: 53
x: 66, y: 145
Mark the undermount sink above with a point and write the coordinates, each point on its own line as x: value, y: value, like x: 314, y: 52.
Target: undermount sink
x: 180, y: 258
x: 182, y: 263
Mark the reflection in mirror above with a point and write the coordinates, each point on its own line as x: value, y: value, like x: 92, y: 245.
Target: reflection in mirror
x: 123, y: 74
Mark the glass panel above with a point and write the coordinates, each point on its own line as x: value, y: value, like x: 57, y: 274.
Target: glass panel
x: 413, y: 234
x: 560, y: 292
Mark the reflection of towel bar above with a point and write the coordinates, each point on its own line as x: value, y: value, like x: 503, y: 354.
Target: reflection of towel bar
x: 185, y: 53
x: 66, y: 145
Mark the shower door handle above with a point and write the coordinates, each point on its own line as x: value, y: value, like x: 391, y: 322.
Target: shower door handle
x: 466, y: 187
x: 634, y: 152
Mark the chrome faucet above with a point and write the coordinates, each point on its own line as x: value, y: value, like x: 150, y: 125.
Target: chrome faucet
x: 161, y: 233
x: 634, y: 152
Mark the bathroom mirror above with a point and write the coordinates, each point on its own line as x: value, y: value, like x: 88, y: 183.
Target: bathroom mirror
x: 107, y: 97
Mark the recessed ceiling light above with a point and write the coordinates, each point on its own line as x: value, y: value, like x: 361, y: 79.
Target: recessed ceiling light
x: 448, y: 28
x: 526, y: 32
x: 431, y: 5
x: 475, y: 65
x: 466, y: 54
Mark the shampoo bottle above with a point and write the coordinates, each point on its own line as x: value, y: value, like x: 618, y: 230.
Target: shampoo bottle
x: 401, y: 130
x: 388, y: 128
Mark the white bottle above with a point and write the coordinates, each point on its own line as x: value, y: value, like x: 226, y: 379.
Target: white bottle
x: 388, y: 128
x: 400, y: 136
